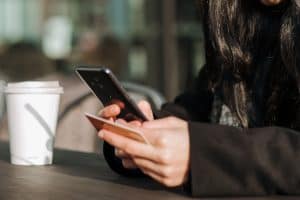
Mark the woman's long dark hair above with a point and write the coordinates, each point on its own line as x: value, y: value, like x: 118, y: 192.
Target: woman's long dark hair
x: 241, y: 37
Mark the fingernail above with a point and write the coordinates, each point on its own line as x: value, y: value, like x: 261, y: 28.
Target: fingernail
x: 100, y: 134
x: 119, y: 121
x: 113, y: 109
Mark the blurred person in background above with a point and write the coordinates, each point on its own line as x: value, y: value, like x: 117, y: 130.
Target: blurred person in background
x: 24, y: 61
x: 106, y: 50
x: 237, y: 131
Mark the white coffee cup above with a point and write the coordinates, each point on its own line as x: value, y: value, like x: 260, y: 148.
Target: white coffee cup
x: 32, y: 109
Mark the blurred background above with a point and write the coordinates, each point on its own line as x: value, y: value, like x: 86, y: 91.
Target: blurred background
x: 152, y: 43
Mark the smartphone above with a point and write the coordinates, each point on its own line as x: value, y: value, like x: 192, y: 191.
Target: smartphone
x: 101, y: 123
x: 104, y: 84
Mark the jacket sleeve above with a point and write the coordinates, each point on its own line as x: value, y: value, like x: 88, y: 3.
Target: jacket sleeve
x: 227, y: 161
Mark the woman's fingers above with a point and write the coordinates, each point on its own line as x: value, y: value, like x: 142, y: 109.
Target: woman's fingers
x: 121, y: 154
x: 150, y: 166
x: 132, y: 124
x: 129, y: 164
x: 127, y: 161
x: 129, y: 146
x: 165, y: 181
x: 135, y: 123
x: 146, y: 109
x: 113, y: 110
x: 165, y: 176
x: 110, y: 111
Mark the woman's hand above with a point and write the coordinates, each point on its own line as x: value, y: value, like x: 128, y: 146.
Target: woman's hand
x: 111, y: 112
x: 167, y: 158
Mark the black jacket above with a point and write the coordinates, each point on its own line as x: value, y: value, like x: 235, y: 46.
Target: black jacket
x: 229, y: 161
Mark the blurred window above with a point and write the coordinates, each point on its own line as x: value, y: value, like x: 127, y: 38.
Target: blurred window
x: 145, y: 41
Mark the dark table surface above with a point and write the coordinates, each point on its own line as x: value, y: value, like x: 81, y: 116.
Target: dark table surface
x: 76, y: 175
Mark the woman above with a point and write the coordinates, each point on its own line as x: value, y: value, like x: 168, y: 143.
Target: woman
x: 249, y: 87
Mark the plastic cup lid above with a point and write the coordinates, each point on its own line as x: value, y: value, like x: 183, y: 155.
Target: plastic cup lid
x: 32, y: 87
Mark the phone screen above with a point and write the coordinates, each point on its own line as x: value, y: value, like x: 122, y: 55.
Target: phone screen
x: 109, y: 91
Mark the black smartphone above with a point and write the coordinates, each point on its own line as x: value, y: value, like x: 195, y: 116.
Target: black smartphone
x: 103, y: 83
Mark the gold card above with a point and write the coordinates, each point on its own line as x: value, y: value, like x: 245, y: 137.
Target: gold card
x: 117, y: 128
